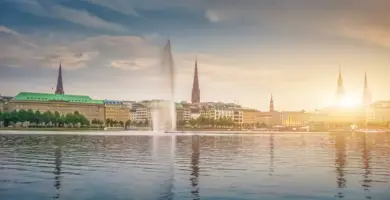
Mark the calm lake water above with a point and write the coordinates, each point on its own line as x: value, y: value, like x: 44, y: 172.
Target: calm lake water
x: 268, y: 166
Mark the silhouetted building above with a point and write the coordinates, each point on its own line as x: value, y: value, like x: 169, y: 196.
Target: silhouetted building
x: 340, y: 88
x: 195, y: 97
x: 271, y: 104
x: 60, y: 86
x: 367, y: 99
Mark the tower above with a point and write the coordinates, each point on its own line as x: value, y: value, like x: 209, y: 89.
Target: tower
x: 60, y: 86
x: 340, y: 88
x: 367, y: 99
x: 271, y: 104
x: 195, y: 96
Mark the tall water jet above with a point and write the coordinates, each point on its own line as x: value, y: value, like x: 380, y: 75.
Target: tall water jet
x: 164, y: 112
x: 171, y: 74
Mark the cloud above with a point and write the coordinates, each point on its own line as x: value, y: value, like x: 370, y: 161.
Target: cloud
x: 372, y: 35
x: 84, y: 18
x: 81, y: 17
x: 366, y: 21
x: 124, y: 52
x: 135, y: 64
x: 7, y: 30
x: 117, y: 5
x: 212, y: 16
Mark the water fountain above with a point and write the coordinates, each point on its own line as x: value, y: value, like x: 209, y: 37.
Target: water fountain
x: 164, y: 112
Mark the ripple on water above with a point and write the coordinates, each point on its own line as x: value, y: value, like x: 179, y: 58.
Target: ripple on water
x: 290, y: 166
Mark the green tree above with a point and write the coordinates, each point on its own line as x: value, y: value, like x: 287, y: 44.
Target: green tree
x: 6, y: 118
x: 127, y: 123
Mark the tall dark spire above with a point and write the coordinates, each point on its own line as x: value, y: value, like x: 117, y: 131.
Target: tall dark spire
x: 340, y: 88
x: 195, y: 97
x: 366, y: 92
x: 60, y: 86
x: 271, y: 104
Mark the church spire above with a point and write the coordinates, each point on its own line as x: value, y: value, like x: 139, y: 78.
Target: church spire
x: 60, y: 86
x: 340, y: 87
x: 271, y: 104
x: 195, y: 96
x: 367, y: 99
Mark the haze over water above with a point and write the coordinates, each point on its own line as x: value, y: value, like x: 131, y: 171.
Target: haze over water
x: 279, y: 166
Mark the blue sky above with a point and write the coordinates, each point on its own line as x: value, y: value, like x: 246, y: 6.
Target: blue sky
x: 246, y: 49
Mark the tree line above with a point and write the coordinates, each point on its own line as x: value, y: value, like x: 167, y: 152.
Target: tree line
x: 204, y: 122
x: 46, y: 119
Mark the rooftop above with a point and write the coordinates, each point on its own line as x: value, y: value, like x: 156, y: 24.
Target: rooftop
x: 30, y: 96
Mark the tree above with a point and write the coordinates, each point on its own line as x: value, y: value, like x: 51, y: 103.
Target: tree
x: 121, y: 123
x: 127, y: 123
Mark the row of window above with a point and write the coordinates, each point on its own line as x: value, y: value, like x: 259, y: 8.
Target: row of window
x: 46, y: 99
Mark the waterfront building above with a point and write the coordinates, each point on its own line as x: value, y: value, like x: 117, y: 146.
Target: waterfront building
x: 265, y: 119
x: 141, y: 113
x: 250, y: 117
x: 130, y: 104
x: 378, y: 113
x: 183, y: 111
x: 4, y: 103
x: 294, y: 118
x: 63, y: 104
x: 222, y: 110
x: 195, y: 95
x: 116, y: 110
x: 337, y: 117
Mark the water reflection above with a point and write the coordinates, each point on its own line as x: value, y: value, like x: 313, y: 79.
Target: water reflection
x: 271, y: 154
x: 57, y: 168
x: 234, y: 167
x: 366, y: 157
x: 195, y: 168
x: 340, y: 163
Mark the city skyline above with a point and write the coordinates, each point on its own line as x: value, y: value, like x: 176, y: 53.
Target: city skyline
x: 245, y: 60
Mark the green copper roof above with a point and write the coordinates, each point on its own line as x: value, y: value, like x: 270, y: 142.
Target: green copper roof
x: 29, y: 96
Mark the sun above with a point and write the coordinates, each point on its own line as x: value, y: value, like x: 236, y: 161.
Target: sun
x: 348, y: 102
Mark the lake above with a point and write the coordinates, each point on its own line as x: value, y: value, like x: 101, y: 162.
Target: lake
x: 264, y: 166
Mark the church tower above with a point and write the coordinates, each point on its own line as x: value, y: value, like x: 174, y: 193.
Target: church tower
x: 271, y: 104
x: 195, y: 96
x: 60, y: 86
x: 340, y: 88
x: 367, y: 99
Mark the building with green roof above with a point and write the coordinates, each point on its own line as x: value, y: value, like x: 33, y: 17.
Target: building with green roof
x: 29, y: 96
x: 64, y: 104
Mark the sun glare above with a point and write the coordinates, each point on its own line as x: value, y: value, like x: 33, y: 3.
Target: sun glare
x: 348, y: 102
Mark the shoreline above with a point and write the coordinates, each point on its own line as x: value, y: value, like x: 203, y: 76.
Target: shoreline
x: 92, y: 132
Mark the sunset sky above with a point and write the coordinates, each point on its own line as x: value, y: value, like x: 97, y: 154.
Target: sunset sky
x: 246, y: 49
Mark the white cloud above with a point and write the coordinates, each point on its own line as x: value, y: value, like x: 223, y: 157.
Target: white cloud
x: 117, y: 5
x: 7, y: 30
x: 135, y: 64
x: 84, y: 18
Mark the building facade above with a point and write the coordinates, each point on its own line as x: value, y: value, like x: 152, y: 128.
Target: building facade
x: 116, y: 110
x: 219, y: 110
x: 294, y: 119
x: 378, y: 112
x: 63, y: 104
x: 250, y: 116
